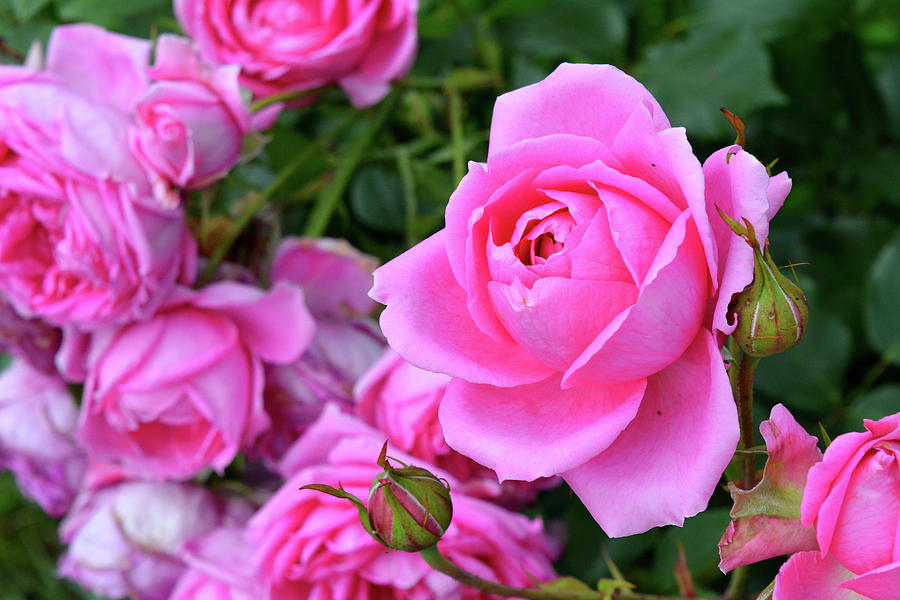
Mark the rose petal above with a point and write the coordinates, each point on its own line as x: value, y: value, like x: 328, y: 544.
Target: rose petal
x: 739, y: 185
x: 666, y: 464
x: 591, y: 101
x: 810, y: 575
x: 535, y: 430
x: 882, y: 583
x: 427, y: 322
x: 557, y: 318
x: 662, y: 323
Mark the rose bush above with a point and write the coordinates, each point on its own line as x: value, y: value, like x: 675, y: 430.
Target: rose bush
x: 183, y: 390
x: 291, y: 45
x: 311, y: 545
x: 576, y: 293
x: 83, y: 242
x: 851, y: 498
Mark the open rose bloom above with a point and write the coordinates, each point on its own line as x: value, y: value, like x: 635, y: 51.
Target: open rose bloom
x: 575, y: 294
x: 851, y: 498
x: 290, y: 45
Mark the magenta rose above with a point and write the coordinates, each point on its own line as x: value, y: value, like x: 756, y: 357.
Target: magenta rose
x: 402, y: 401
x: 571, y: 297
x: 851, y: 498
x: 37, y: 437
x: 82, y: 240
x: 183, y: 390
x: 191, y: 121
x: 335, y: 279
x: 297, y: 45
x: 125, y: 539
x: 310, y: 545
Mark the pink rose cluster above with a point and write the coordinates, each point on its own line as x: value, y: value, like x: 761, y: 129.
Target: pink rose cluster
x: 577, y: 298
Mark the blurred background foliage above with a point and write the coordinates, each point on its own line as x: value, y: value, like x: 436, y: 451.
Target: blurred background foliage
x: 817, y: 82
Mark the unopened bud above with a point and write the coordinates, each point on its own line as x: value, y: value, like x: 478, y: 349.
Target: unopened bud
x: 409, y: 508
x: 772, y: 311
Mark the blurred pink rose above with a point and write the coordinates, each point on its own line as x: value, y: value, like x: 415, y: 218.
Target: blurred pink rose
x: 309, y: 545
x: 402, y: 401
x: 124, y: 539
x: 570, y: 297
x: 220, y: 567
x: 296, y: 45
x: 37, y: 425
x: 851, y: 498
x: 335, y: 278
x: 191, y: 121
x: 82, y: 240
x: 183, y: 390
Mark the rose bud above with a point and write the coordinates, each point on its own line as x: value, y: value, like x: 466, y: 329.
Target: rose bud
x: 409, y: 508
x: 772, y: 311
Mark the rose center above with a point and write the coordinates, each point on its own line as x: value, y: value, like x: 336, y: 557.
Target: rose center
x: 541, y: 238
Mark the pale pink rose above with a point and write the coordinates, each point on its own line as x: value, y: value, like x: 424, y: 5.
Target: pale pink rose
x: 570, y: 298
x: 183, y: 390
x: 335, y: 278
x: 191, y: 121
x: 82, y: 240
x: 38, y: 417
x: 310, y: 545
x: 220, y: 567
x: 851, y: 498
x: 125, y: 539
x: 296, y: 45
x: 402, y: 401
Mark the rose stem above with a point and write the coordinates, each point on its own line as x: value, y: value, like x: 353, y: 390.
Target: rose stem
x: 439, y: 562
x: 745, y: 415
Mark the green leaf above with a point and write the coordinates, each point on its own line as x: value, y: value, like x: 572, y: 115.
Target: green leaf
x: 376, y: 199
x: 24, y: 10
x: 876, y: 404
x: 110, y: 14
x: 699, y: 537
x: 695, y: 76
x: 880, y: 315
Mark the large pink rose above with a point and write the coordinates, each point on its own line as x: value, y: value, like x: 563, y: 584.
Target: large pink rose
x: 402, y: 401
x: 183, y: 390
x: 38, y: 416
x: 296, y: 45
x: 851, y: 498
x: 309, y: 545
x: 82, y: 240
x: 573, y: 293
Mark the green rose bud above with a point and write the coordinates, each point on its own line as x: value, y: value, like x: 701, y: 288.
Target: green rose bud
x: 409, y: 508
x: 772, y: 311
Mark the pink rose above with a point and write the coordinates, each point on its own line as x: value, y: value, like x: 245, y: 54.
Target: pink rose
x: 124, y: 539
x: 82, y: 241
x: 296, y: 45
x: 37, y: 425
x: 851, y: 498
x: 191, y: 121
x: 183, y: 390
x: 335, y: 279
x: 402, y: 401
x: 309, y: 545
x: 571, y: 298
x: 220, y: 567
